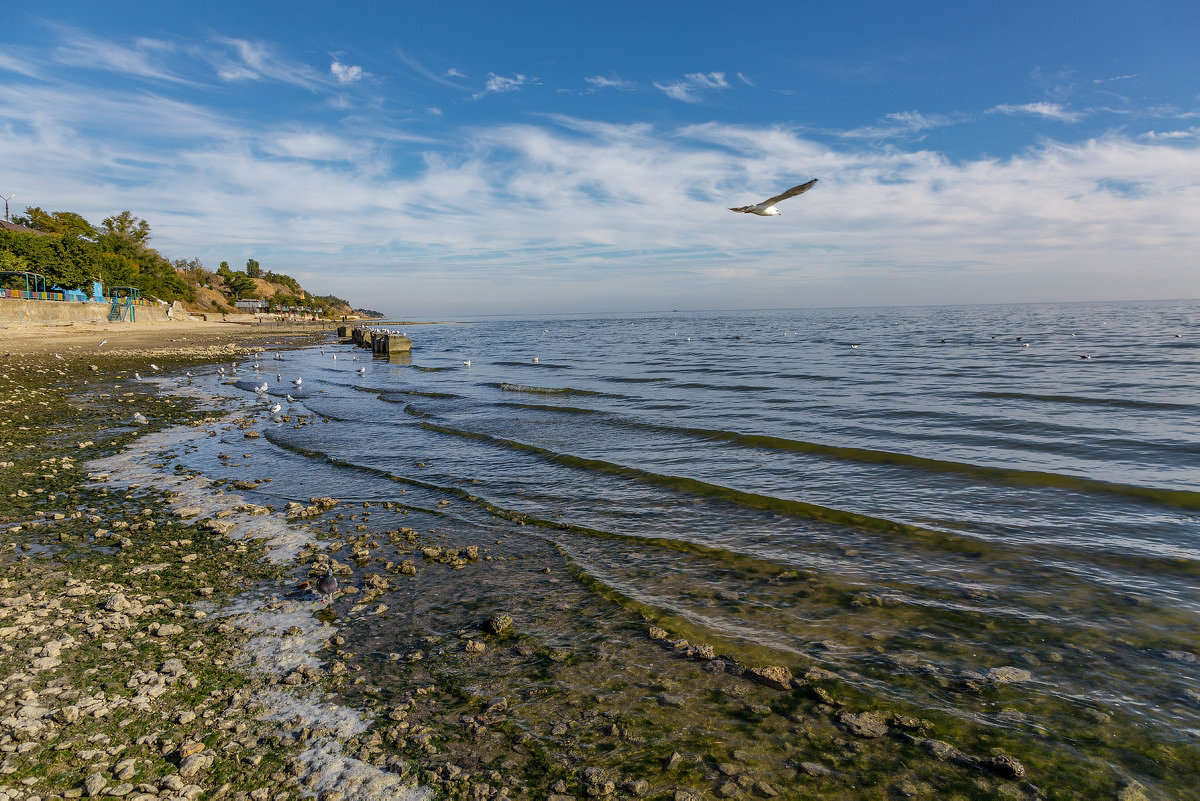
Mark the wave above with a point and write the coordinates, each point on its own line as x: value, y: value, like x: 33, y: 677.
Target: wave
x: 507, y: 387
x: 728, y: 387
x: 1083, y: 400
x: 537, y: 365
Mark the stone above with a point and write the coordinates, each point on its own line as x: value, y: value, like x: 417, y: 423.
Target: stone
x: 814, y: 769
x: 196, y: 763
x: 190, y: 747
x: 774, y: 676
x: 1008, y: 674
x: 498, y: 624
x: 636, y: 787
x: 121, y: 790
x: 657, y: 634
x: 863, y: 724
x: 94, y: 785
x: 117, y: 603
x: 1005, y: 766
x: 475, y: 647
x: 942, y: 750
x: 220, y: 526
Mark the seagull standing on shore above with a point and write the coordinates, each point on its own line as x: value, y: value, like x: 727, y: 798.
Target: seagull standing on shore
x: 139, y: 419
x: 767, y: 207
x: 298, y: 381
x: 327, y: 585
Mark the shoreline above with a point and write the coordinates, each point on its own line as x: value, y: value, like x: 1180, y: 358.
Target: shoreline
x: 158, y: 660
x: 282, y: 705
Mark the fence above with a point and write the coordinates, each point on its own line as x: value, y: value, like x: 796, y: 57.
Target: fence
x: 71, y: 295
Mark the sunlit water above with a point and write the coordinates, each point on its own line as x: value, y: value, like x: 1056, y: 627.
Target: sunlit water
x: 955, y: 488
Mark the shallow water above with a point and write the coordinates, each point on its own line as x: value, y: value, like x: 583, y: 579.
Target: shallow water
x: 907, y: 497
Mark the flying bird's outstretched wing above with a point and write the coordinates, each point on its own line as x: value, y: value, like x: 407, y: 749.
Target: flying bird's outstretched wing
x: 795, y: 190
x: 767, y: 207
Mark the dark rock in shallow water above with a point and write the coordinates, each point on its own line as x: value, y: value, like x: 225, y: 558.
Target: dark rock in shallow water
x: 1005, y: 766
x: 864, y: 724
x: 773, y: 676
x: 814, y: 769
x: 497, y: 624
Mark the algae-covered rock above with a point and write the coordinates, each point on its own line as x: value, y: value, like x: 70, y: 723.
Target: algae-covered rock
x: 863, y: 724
x: 772, y: 676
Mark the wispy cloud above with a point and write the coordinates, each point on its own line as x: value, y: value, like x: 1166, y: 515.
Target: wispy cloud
x: 693, y: 85
x: 479, y: 214
x: 1050, y: 111
x: 503, y: 83
x: 246, y: 60
x: 904, y: 124
x: 143, y: 57
x: 610, y: 82
x: 419, y: 68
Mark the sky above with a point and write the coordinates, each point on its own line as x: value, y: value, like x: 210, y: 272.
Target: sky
x: 478, y: 158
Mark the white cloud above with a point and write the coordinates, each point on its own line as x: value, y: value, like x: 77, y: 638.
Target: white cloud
x: 693, y: 84
x: 568, y: 203
x: 902, y: 124
x: 1051, y: 111
x: 144, y: 58
x: 454, y: 73
x: 503, y: 83
x: 245, y: 60
x: 613, y: 82
x: 345, y: 73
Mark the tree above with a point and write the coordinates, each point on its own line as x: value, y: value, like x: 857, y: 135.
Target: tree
x: 128, y: 226
x: 253, y: 269
x: 67, y: 223
x: 240, y: 285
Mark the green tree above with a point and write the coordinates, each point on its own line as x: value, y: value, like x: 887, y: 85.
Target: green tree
x: 67, y: 223
x: 240, y: 285
x: 128, y: 226
x: 253, y: 269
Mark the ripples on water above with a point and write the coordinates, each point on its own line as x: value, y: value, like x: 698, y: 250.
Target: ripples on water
x: 954, y: 489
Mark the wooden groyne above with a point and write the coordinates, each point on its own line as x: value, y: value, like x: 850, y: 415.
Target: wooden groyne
x: 379, y: 340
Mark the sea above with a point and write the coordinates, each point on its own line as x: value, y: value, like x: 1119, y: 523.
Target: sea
x: 985, y: 518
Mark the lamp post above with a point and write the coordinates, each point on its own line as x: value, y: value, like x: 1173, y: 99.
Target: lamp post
x: 6, y: 199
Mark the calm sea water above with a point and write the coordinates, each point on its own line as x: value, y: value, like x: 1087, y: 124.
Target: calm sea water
x: 908, y: 497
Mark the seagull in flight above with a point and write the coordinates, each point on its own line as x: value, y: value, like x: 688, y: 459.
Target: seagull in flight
x: 101, y: 345
x: 767, y: 207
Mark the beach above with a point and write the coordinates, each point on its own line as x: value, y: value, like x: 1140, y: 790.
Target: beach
x: 540, y: 597
x: 126, y: 672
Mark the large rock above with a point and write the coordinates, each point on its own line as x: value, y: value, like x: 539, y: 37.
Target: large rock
x: 863, y: 724
x: 773, y: 676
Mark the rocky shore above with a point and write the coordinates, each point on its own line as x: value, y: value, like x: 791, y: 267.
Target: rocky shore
x: 141, y: 652
x: 161, y: 638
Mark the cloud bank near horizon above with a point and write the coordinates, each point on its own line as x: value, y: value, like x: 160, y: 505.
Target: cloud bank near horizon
x: 559, y: 204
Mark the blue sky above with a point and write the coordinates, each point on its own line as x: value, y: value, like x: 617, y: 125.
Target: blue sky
x: 476, y: 158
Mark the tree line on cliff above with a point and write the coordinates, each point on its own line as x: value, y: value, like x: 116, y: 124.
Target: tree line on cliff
x: 72, y: 253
